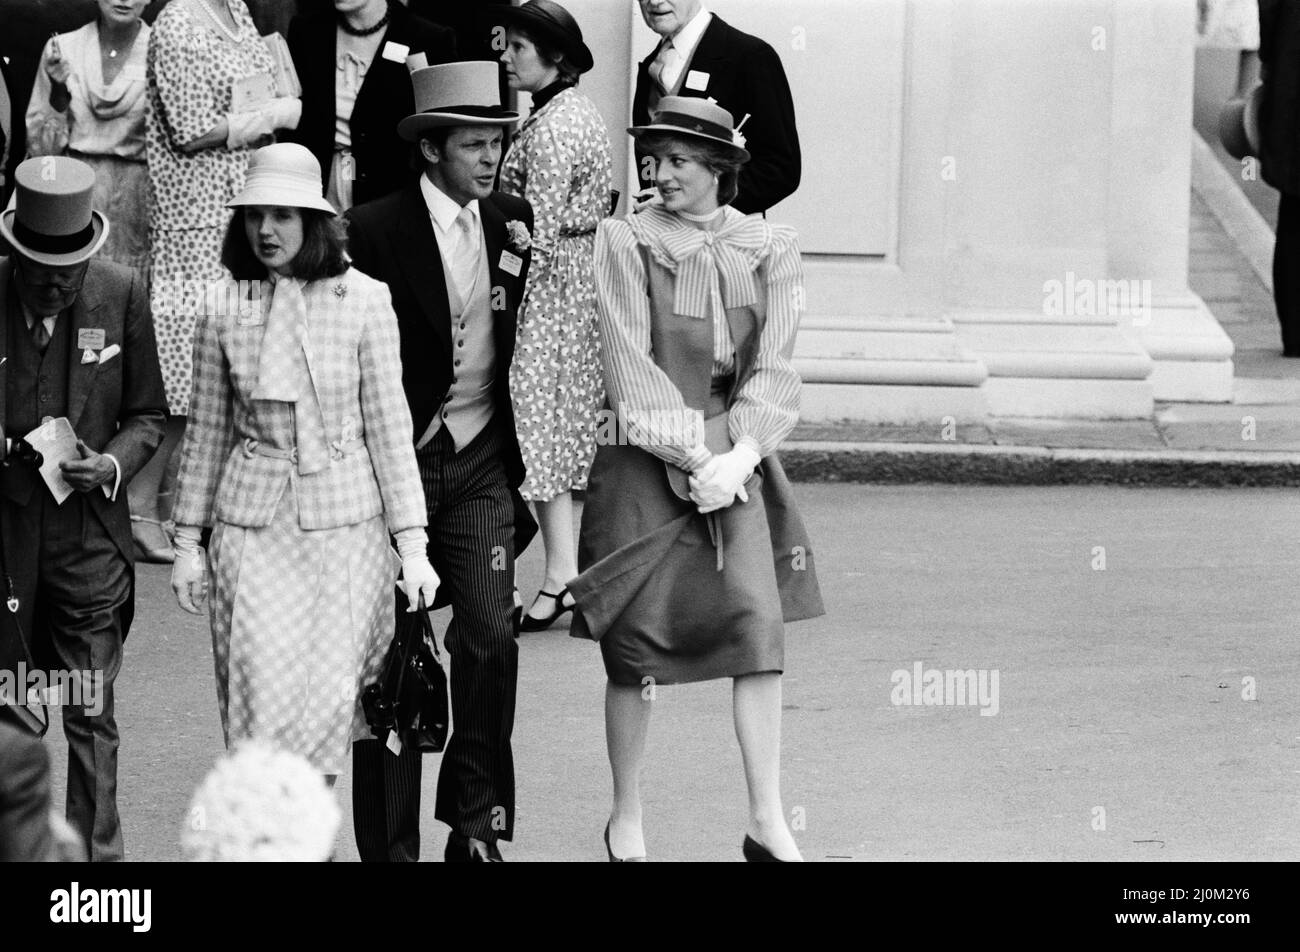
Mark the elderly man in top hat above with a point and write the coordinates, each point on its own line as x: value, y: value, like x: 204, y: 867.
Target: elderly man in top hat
x: 455, y: 256
x: 699, y: 54
x: 76, y: 345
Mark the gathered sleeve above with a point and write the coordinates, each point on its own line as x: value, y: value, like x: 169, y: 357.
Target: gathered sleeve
x: 210, y: 432
x: 47, y: 128
x: 386, y: 416
x: 766, y: 408
x: 648, y: 407
x: 180, y: 71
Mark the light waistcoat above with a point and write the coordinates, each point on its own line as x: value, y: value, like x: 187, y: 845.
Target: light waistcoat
x: 467, y: 408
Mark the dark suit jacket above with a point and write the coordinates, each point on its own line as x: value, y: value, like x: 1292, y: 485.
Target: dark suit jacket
x: 745, y: 77
x: 381, y: 157
x: 393, y: 240
x: 117, y: 407
x: 1279, y: 55
x: 25, y: 835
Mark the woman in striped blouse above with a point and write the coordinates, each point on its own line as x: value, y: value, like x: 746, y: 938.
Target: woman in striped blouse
x: 692, y: 552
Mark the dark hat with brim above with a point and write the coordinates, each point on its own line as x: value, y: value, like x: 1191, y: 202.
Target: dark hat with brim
x: 456, y: 94
x: 50, y: 219
x: 549, y: 22
x: 689, y: 117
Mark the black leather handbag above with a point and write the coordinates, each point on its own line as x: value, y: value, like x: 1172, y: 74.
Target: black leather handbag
x: 408, y: 704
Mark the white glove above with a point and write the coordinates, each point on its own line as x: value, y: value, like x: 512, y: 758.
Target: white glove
x: 248, y: 127
x: 189, y: 570
x: 419, y: 580
x: 721, y: 481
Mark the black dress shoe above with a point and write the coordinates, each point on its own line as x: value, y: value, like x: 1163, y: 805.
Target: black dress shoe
x: 756, y: 852
x: 461, y: 849
x: 531, y: 623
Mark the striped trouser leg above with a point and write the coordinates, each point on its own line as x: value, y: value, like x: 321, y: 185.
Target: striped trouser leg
x: 471, y: 534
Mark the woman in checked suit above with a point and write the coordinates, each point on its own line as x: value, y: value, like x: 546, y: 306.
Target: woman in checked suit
x: 299, y: 456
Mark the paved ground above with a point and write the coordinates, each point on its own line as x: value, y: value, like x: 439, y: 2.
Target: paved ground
x: 1118, y: 689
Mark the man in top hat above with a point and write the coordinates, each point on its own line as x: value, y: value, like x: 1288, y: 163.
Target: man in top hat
x: 455, y: 256
x: 701, y: 55
x: 76, y: 344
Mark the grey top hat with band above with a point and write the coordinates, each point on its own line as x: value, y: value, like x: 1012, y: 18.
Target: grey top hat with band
x: 456, y: 94
x: 551, y: 23
x: 689, y: 117
x: 50, y: 220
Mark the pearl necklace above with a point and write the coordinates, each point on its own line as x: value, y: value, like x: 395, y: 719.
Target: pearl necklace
x: 232, y: 35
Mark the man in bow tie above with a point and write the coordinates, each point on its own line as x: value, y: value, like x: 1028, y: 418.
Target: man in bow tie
x: 701, y: 55
x: 76, y: 342
x: 455, y: 256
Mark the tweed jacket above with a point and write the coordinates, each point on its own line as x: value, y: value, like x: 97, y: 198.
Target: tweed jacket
x: 226, y: 474
x: 116, y: 406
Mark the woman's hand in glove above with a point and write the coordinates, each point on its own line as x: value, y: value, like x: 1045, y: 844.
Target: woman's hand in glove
x: 722, y: 480
x: 419, y: 579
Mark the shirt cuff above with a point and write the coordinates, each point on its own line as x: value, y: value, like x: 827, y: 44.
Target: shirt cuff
x: 697, y: 459
x: 111, y: 494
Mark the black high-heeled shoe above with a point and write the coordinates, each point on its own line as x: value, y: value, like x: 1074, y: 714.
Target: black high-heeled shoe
x: 610, y: 850
x: 529, y: 623
x: 756, y: 852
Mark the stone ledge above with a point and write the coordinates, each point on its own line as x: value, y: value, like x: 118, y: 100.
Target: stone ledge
x: 1034, y: 466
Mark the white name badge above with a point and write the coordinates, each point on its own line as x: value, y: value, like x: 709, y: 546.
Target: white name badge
x: 396, y: 52
x: 90, y: 338
x: 511, y: 264
x: 698, y: 80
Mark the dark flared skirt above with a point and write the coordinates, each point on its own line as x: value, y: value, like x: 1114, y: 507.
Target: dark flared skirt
x: 674, y: 599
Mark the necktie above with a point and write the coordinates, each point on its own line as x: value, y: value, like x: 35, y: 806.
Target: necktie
x: 464, y: 252
x: 40, y: 335
x: 664, y: 69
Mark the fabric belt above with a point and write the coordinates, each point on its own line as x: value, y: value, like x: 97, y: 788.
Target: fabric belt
x: 338, y: 449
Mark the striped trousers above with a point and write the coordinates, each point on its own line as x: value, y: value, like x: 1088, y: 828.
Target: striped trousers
x: 471, y: 546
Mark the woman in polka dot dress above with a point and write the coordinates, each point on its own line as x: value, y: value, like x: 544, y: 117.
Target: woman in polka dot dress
x: 211, y: 102
x: 561, y: 164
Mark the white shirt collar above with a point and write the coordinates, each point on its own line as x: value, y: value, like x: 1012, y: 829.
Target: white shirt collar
x: 442, y: 208
x: 688, y: 37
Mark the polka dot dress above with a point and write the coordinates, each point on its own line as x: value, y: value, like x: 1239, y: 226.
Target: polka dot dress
x: 192, y: 69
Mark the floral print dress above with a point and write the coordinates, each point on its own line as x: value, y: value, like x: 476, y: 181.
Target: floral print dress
x: 192, y: 70
x: 560, y: 163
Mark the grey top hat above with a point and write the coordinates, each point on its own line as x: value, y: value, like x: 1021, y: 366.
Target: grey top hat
x: 456, y: 94
x: 693, y: 118
x: 51, y: 220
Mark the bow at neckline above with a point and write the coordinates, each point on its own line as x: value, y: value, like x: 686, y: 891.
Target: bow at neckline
x: 703, y: 259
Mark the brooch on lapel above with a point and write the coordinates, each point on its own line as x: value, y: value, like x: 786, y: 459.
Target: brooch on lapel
x: 340, y: 290
x: 518, y: 234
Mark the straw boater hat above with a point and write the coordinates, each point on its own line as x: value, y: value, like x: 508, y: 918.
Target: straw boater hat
x: 550, y: 23
x: 284, y: 174
x: 50, y: 220
x: 455, y: 94
x: 693, y: 118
